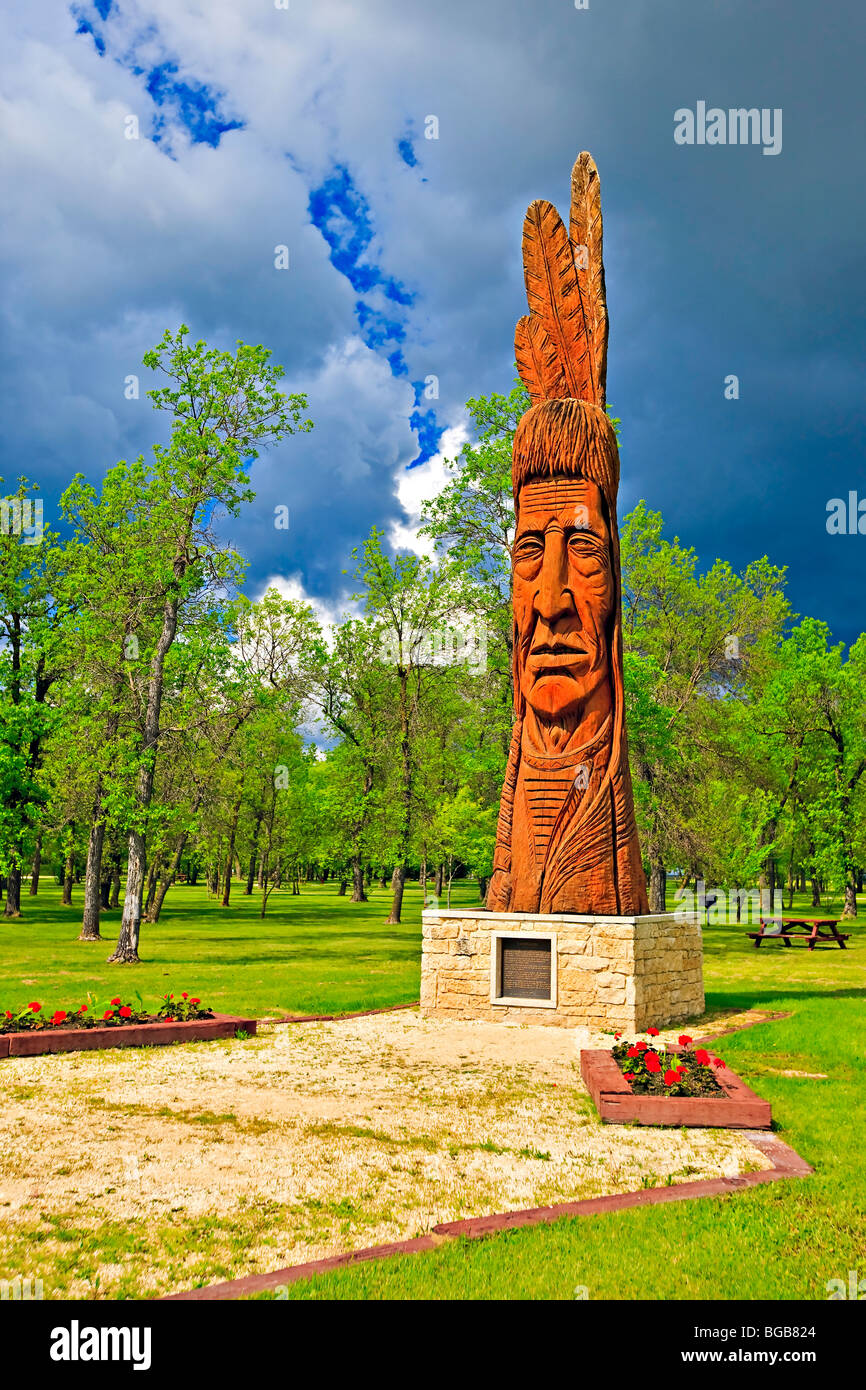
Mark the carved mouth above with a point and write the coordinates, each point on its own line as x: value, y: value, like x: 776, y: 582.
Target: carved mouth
x: 557, y: 649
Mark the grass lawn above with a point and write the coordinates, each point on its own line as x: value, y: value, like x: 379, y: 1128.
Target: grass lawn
x: 316, y: 953
x: 320, y: 953
x: 785, y: 1240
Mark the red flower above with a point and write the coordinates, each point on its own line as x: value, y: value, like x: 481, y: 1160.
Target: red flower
x: 195, y: 1001
x: 633, y: 1052
x: 641, y: 1046
x: 169, y: 1018
x: 652, y: 1032
x: 671, y: 1078
x: 83, y: 1009
x: 109, y: 1013
x: 717, y: 1062
x: 125, y: 1012
x: 684, y: 1040
x: 8, y: 1013
x: 652, y: 1062
x: 616, y: 1036
x: 628, y: 1076
x: 59, y: 1016
x: 116, y: 1001
x: 702, y: 1056
x: 184, y: 996
x: 34, y: 1007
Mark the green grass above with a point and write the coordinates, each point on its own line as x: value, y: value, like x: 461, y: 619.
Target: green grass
x: 316, y: 953
x: 785, y: 1240
x: 319, y: 953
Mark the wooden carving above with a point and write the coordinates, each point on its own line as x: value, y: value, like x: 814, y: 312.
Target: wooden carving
x: 566, y: 840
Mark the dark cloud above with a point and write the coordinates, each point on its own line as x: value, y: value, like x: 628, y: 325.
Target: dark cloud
x: 405, y: 250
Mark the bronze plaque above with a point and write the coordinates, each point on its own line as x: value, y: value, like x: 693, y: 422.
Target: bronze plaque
x: 524, y: 968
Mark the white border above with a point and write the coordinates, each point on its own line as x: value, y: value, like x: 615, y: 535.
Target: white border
x: 496, y: 938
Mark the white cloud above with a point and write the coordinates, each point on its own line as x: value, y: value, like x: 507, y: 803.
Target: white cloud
x: 414, y: 486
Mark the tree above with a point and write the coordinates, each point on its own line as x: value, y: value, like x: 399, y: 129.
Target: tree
x: 28, y: 574
x: 224, y: 407
x: 410, y: 602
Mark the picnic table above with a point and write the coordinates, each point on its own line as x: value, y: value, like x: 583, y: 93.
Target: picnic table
x: 809, y: 930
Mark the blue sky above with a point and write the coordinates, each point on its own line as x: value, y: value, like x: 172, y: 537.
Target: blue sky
x: 308, y: 127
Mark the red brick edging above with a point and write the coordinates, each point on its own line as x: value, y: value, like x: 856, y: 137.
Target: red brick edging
x: 39, y: 1042
x: 786, y: 1164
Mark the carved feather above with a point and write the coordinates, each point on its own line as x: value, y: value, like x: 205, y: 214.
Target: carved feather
x: 537, y: 361
x: 586, y: 241
x: 554, y: 297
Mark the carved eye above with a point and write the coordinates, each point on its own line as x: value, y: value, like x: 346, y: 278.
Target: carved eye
x: 586, y: 548
x: 528, y: 548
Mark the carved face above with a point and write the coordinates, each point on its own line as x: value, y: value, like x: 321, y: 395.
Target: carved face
x: 563, y: 596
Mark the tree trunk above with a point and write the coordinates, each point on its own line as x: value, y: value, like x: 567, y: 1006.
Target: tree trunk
x: 791, y: 883
x: 126, y: 951
x: 93, y: 874
x: 816, y: 890
x: 152, y: 877
x: 440, y: 877
x: 422, y: 877
x: 37, y: 865
x: 254, y: 853
x: 358, y: 892
x: 13, y: 894
x: 193, y: 873
x: 850, y: 906
x: 69, y: 874
x: 398, y: 880
x: 227, y: 885
x: 263, y: 867
x: 114, y: 900
x: 168, y: 878
x: 657, y: 884
x: 105, y: 889
x: 482, y: 887
x: 341, y: 891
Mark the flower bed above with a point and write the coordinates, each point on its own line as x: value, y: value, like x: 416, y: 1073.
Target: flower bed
x: 653, y: 1069
x: 646, y: 1082
x: 32, y: 1031
x: 116, y: 1013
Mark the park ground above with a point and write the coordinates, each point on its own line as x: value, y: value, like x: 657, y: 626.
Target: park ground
x: 84, y: 1136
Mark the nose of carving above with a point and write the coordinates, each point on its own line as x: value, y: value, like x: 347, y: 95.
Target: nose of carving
x: 553, y: 599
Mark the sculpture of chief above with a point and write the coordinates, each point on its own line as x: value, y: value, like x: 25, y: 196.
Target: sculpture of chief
x: 566, y: 839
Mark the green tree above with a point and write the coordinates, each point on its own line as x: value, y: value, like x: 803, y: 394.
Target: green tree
x: 224, y: 407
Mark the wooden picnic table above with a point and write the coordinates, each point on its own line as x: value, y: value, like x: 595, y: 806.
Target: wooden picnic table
x: 809, y: 930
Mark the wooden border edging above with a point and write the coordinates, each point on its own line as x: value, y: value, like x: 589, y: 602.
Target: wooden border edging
x: 39, y: 1042
x: 786, y: 1164
x: 618, y: 1104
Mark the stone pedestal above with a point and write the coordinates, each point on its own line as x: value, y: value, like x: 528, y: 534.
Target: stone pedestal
x: 597, y: 972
